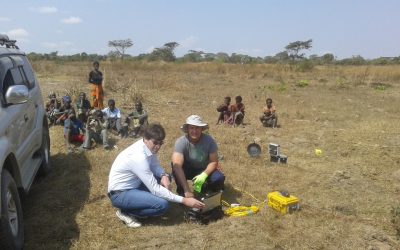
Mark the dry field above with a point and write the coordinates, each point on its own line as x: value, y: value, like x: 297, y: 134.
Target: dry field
x: 350, y: 195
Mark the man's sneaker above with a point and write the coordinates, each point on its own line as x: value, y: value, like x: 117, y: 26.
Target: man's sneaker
x: 130, y: 221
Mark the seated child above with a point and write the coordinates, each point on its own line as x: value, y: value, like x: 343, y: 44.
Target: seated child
x: 53, y: 106
x: 224, y: 112
x: 269, y: 117
x: 83, y: 107
x: 113, y: 118
x: 96, y: 129
x: 137, y: 119
x: 72, y: 128
x: 237, y: 111
x: 66, y: 108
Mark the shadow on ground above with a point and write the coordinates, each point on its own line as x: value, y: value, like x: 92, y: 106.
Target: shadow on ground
x: 53, y: 202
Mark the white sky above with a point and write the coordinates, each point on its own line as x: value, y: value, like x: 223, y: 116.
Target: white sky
x: 254, y: 27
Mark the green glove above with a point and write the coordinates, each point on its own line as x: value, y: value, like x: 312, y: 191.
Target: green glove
x: 198, y: 181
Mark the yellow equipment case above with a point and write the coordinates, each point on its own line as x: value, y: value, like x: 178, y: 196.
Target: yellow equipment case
x: 283, y: 202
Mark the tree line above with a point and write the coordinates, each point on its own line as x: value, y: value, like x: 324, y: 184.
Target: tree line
x: 293, y: 53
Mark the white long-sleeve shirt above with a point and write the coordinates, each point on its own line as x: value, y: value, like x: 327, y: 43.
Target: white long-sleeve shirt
x: 136, y: 165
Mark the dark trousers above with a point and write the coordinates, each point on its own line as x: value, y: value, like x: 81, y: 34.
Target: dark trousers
x: 214, y: 182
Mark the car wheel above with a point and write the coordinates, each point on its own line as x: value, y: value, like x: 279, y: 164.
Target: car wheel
x: 11, y: 231
x: 45, y: 152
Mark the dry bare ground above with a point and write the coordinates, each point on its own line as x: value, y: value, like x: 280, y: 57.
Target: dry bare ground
x: 349, y: 195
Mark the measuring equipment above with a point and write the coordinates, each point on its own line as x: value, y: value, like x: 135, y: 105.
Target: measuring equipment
x: 283, y: 202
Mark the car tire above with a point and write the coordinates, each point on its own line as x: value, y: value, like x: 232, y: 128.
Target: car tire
x: 45, y: 167
x: 12, y: 229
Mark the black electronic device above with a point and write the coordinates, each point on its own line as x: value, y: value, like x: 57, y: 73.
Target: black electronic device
x: 274, y: 149
x: 212, y: 210
x: 275, y: 154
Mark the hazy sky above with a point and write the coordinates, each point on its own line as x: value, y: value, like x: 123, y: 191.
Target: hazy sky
x: 369, y: 28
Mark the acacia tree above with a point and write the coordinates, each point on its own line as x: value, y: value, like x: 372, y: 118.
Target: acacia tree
x: 193, y: 56
x: 282, y: 56
x: 293, y: 49
x: 120, y: 46
x: 165, y: 53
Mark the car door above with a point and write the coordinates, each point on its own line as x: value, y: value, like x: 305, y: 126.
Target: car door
x: 14, y: 124
x: 25, y: 118
x: 24, y: 71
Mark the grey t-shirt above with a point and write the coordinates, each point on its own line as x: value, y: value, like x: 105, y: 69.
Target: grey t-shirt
x: 196, y: 155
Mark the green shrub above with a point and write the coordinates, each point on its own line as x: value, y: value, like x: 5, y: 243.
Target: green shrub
x: 396, y: 220
x: 305, y: 66
x: 302, y: 83
x: 380, y: 86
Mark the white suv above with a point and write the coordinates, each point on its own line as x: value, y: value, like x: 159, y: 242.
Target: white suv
x: 24, y: 139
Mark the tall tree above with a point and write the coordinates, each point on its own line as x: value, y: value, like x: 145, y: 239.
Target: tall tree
x: 328, y: 58
x: 165, y: 53
x: 293, y: 49
x: 171, y: 45
x: 121, y: 45
x: 193, y: 56
x: 282, y: 56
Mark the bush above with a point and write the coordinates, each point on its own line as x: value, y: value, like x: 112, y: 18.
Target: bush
x: 396, y: 220
x: 302, y: 83
x: 305, y: 66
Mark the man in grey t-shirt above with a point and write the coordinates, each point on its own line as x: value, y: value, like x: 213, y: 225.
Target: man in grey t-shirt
x: 195, y: 157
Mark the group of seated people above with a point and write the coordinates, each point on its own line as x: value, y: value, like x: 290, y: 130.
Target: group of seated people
x: 233, y: 114
x: 88, y: 124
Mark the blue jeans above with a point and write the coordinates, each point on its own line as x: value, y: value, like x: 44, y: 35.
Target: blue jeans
x: 139, y: 202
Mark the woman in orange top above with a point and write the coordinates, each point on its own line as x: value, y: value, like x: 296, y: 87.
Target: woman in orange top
x: 96, y: 79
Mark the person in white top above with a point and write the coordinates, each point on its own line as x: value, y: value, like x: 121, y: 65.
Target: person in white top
x: 138, y: 186
x: 113, y: 117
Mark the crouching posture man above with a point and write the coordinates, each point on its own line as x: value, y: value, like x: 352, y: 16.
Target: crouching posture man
x: 195, y: 158
x: 138, y: 185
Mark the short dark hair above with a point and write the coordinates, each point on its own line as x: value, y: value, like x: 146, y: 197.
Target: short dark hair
x: 111, y: 101
x: 268, y: 99
x: 228, y: 98
x: 154, y: 131
x: 238, y: 98
x: 96, y: 63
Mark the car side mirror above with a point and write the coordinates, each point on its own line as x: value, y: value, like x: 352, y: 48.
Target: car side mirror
x: 17, y: 94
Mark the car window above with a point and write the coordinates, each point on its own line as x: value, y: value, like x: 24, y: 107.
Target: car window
x: 5, y: 80
x: 23, y: 66
x: 8, y: 81
x: 29, y: 73
x: 23, y: 75
x: 17, y: 77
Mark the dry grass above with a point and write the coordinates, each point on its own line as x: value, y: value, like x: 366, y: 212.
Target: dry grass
x: 347, y: 195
